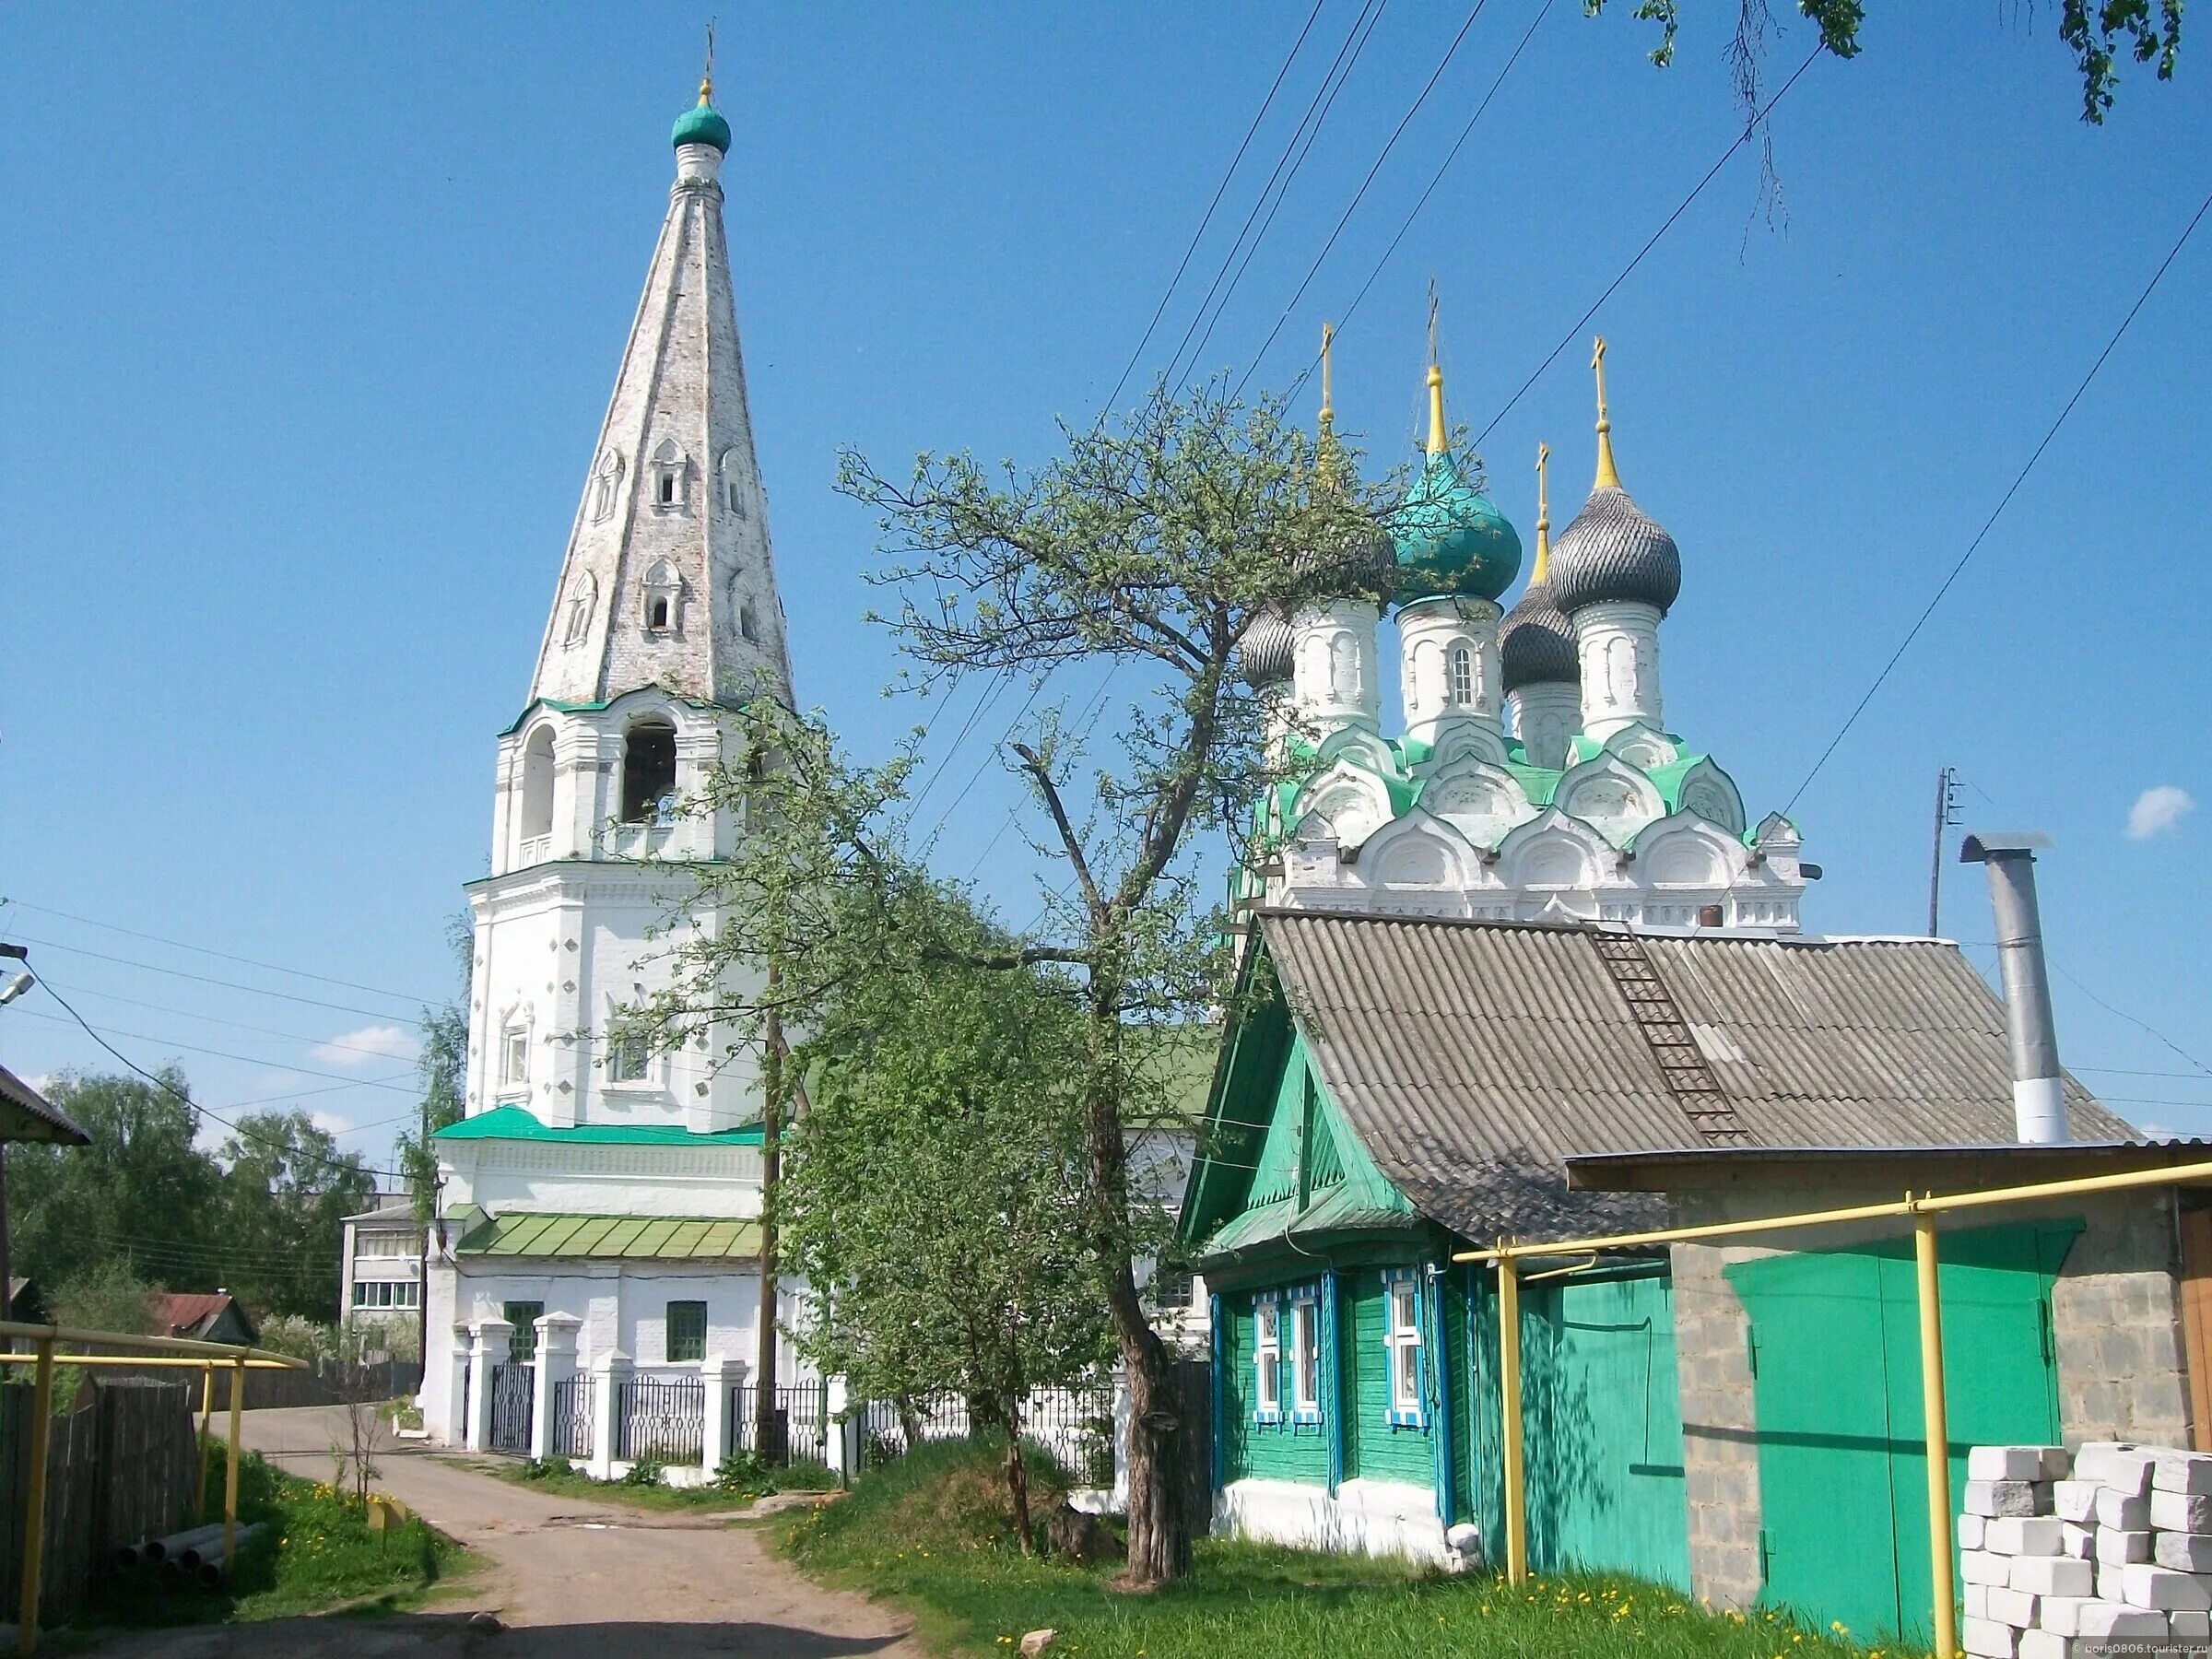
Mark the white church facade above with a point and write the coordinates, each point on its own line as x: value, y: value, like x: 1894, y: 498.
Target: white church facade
x: 599, y: 1202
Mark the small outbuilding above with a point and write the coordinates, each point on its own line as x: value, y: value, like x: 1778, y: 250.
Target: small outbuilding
x: 1393, y: 1090
x: 211, y: 1316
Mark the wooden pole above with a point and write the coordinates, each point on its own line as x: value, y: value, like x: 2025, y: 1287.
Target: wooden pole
x: 1937, y: 1430
x: 34, y: 1505
x: 237, y: 1402
x: 1509, y: 1410
x: 772, y: 1169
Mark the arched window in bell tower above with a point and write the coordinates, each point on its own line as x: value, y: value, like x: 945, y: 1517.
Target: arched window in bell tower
x: 661, y: 590
x: 536, y: 821
x: 648, y: 771
x: 606, y: 481
x: 733, y: 483
x: 583, y: 593
x: 671, y: 470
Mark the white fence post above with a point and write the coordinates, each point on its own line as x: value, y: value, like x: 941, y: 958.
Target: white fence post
x: 837, y: 1434
x: 487, y: 1347
x: 556, y: 1365
x: 716, y: 1376
x: 453, y: 1422
x: 610, y: 1372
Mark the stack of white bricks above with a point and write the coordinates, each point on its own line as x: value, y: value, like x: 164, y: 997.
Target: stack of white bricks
x: 2110, y: 1551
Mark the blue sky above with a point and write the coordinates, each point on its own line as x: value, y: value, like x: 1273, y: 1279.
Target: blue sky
x: 312, y: 315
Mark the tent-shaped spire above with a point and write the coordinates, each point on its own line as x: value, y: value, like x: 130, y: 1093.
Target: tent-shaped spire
x: 668, y: 579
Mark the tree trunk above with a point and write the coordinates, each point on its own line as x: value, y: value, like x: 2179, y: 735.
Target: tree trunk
x: 765, y: 1440
x: 910, y: 1419
x: 1159, y: 1533
x: 1017, y: 1482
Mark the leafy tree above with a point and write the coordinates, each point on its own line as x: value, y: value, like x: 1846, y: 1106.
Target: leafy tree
x: 1153, y: 542
x: 933, y: 1186
x: 287, y: 1189
x: 2097, y: 32
x: 107, y: 1296
x: 141, y: 1194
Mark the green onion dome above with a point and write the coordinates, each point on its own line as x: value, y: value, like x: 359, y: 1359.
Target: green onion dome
x: 1450, y: 539
x: 701, y: 125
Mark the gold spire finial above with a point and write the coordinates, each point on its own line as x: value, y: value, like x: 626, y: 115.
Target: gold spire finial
x: 1436, y: 383
x: 1606, y: 478
x: 1325, y: 440
x: 706, y: 74
x: 1543, y: 513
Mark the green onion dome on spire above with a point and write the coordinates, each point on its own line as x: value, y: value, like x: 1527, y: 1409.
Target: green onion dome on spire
x: 1450, y: 539
x: 703, y: 122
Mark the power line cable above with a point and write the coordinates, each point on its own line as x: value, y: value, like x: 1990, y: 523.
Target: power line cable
x: 191, y: 1048
x: 1311, y: 137
x: 1435, y: 178
x: 203, y: 978
x: 235, y: 1025
x: 1996, y: 513
x: 1359, y: 195
x: 163, y: 1083
x: 326, y: 979
x: 1196, y: 236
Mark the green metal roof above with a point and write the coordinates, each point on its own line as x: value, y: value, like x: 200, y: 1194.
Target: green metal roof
x: 518, y: 1124
x: 607, y: 1238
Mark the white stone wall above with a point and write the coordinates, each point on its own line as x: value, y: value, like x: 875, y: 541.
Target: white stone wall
x: 542, y: 1176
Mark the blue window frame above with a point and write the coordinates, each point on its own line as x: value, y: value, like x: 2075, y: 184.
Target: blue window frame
x: 1267, y: 1358
x: 1406, y: 1362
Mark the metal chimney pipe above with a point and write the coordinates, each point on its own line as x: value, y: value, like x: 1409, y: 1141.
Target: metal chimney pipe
x: 2039, y: 1107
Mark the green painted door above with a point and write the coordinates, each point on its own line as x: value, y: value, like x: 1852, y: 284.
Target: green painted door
x: 1601, y: 1425
x: 1841, y: 1459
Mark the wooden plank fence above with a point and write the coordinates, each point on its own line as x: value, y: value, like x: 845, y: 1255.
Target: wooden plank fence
x: 329, y: 1383
x: 121, y: 1466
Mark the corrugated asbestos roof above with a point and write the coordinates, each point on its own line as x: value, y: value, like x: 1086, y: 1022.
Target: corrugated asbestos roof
x: 625, y: 1237
x: 28, y: 1115
x: 1472, y: 1058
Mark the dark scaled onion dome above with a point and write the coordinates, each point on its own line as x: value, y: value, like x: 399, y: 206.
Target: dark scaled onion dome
x: 1450, y: 538
x: 1612, y: 551
x: 1536, y: 643
x: 1262, y: 655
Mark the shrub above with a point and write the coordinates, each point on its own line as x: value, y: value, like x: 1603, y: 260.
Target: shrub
x: 743, y: 1472
x: 645, y: 1472
x: 547, y: 1468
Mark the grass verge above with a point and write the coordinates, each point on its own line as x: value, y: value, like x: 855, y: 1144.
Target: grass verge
x: 740, y: 1481
x: 315, y: 1554
x: 930, y: 1532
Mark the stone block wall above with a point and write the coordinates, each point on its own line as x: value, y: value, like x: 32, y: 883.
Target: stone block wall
x: 2115, y: 1314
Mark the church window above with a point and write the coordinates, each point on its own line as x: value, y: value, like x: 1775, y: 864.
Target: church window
x: 745, y: 624
x: 669, y: 466
x: 648, y: 772
x: 1463, y: 676
x: 733, y: 483
x: 687, y: 1335
x: 514, y: 1057
x: 628, y: 1053
x: 521, y: 1342
x: 604, y: 482
x: 584, y: 595
x: 664, y: 588
x: 537, y: 787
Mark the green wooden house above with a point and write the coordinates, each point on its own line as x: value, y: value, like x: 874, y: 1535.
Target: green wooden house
x: 1397, y: 1088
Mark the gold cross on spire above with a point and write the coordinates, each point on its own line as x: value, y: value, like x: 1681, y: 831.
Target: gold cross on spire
x: 1606, y: 478
x: 1543, y: 513
x: 1436, y: 383
x: 706, y: 74
x: 1328, y: 336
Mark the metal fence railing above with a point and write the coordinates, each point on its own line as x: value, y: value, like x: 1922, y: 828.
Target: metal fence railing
x: 569, y: 1432
x: 513, y: 1399
x: 799, y: 1425
x: 1075, y: 1424
x: 661, y: 1419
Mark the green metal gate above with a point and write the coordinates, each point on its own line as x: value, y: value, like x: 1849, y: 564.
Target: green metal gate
x: 1835, y: 1355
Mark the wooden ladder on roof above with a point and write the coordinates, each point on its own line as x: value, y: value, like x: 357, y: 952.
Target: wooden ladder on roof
x: 1689, y: 1079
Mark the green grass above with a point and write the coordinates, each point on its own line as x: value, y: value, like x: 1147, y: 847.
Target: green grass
x: 746, y: 1485
x: 930, y: 1532
x: 316, y: 1555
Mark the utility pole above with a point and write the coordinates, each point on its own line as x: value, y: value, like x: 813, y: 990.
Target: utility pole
x: 1947, y: 815
x: 765, y: 1440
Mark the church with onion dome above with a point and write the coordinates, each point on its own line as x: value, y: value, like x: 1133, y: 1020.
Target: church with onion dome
x: 1534, y: 778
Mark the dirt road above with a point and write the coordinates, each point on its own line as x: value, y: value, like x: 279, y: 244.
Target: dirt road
x: 569, y: 1580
